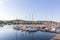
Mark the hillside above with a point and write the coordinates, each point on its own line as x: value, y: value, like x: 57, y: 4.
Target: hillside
x: 45, y: 23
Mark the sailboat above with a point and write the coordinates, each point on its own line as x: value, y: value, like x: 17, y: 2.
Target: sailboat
x: 31, y: 27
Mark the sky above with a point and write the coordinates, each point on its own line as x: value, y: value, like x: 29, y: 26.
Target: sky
x: 47, y: 10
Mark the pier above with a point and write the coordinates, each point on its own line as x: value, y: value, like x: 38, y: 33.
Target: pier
x: 57, y: 37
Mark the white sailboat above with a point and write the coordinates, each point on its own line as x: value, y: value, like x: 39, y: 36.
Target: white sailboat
x: 29, y: 28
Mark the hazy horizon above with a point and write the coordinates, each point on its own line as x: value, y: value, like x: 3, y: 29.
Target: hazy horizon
x: 48, y: 10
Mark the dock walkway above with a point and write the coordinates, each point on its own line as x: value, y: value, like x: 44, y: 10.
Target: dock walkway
x: 57, y: 37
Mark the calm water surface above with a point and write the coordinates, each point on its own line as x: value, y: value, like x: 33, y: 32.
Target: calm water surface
x: 8, y: 33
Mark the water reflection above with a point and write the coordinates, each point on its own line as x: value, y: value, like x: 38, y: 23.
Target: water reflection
x: 8, y: 33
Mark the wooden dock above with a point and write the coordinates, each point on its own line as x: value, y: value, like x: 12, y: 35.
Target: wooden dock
x: 57, y: 37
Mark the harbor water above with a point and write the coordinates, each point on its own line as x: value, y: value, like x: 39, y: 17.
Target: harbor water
x: 8, y: 33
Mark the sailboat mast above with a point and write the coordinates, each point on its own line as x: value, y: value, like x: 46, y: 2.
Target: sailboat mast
x: 32, y: 20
